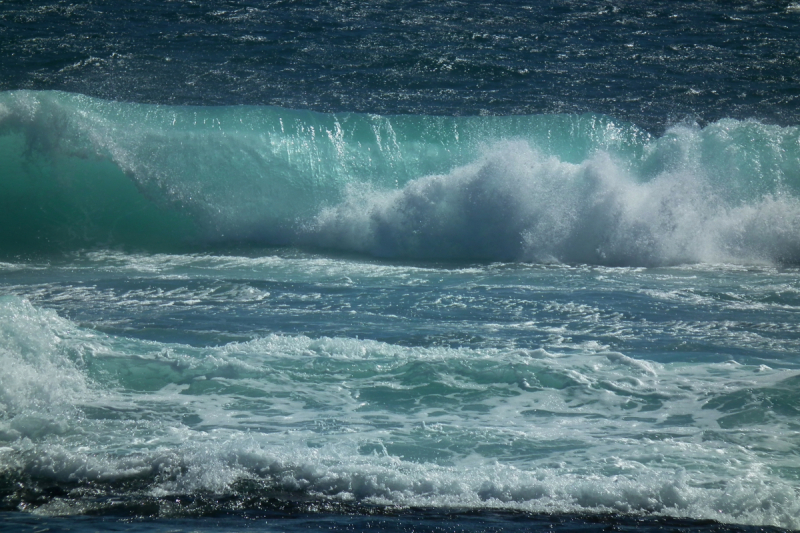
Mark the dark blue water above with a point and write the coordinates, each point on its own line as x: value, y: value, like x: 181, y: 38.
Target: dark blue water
x: 399, y: 266
x: 408, y: 521
x: 650, y: 63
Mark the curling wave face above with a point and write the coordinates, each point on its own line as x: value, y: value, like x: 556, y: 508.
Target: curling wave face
x: 80, y: 172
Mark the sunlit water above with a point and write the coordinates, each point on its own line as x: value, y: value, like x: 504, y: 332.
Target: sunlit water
x: 399, y: 267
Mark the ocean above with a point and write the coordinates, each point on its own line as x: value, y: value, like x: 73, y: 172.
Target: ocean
x: 399, y: 266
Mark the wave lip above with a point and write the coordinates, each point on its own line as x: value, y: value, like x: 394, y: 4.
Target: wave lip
x: 85, y: 173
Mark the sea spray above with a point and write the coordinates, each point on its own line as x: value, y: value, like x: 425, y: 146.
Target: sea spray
x: 570, y: 188
x: 380, y: 266
x: 40, y: 372
x: 516, y: 203
x: 579, y: 429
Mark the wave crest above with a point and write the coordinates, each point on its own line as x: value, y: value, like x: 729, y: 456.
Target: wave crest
x: 517, y: 203
x: 84, y: 173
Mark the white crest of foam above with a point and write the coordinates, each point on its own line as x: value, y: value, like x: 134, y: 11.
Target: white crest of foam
x: 216, y: 463
x: 42, y: 379
x: 39, y: 367
x: 515, y: 203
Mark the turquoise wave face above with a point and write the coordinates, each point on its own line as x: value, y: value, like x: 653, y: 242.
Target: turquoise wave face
x: 81, y: 173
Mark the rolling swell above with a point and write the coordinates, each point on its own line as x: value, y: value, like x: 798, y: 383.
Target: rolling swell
x: 99, y: 424
x: 85, y: 173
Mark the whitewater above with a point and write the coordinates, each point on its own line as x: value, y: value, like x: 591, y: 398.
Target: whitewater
x: 399, y: 266
x: 549, y: 373
x: 562, y: 188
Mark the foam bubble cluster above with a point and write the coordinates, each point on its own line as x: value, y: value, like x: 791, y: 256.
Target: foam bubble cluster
x: 518, y: 204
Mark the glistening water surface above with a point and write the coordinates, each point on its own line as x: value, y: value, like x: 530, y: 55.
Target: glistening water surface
x: 399, y: 266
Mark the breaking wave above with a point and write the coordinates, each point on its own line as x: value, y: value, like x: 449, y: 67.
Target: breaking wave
x: 85, y: 173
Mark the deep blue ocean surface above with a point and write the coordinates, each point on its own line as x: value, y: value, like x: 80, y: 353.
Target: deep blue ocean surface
x: 399, y: 266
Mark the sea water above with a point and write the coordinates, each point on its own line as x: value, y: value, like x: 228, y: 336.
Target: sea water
x: 402, y: 267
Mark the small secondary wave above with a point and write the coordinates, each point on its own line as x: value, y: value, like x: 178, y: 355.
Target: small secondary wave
x: 80, y: 172
x: 366, y: 423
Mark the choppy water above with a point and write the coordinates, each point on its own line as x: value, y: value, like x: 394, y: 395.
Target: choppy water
x: 297, y: 265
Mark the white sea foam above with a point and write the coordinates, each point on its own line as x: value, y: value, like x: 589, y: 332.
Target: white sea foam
x: 555, y: 188
x: 337, y: 470
x: 40, y: 373
x: 516, y: 203
x: 584, y: 430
